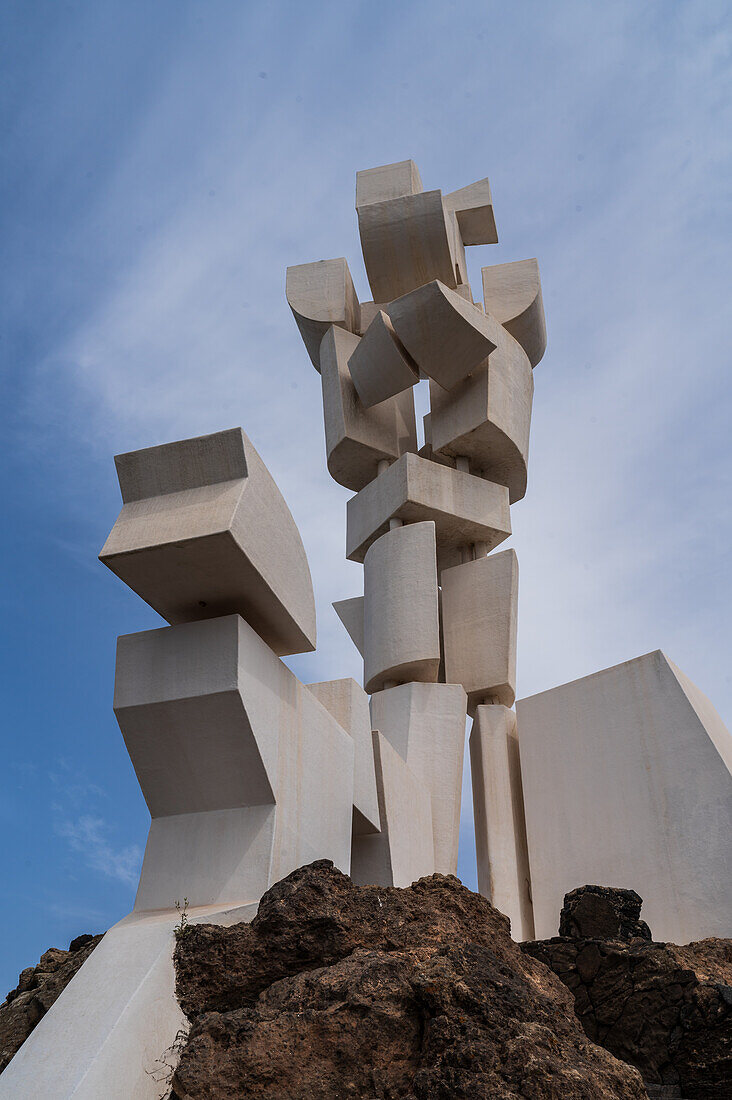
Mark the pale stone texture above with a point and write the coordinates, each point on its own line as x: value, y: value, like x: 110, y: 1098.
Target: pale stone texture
x: 204, y: 531
x: 486, y: 418
x: 465, y: 509
x: 350, y: 612
x: 321, y: 294
x: 388, y: 181
x: 425, y: 723
x: 403, y: 851
x: 447, y: 337
x: 479, y: 621
x: 381, y: 367
x: 473, y: 210
x: 627, y: 779
x: 358, y: 439
x: 349, y: 704
x: 234, y: 756
x: 401, y: 619
x: 512, y: 294
x: 498, y: 810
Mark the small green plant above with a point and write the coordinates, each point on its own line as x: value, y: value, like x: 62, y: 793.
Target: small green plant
x: 182, y: 927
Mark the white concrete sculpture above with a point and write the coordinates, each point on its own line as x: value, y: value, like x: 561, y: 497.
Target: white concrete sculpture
x: 381, y: 366
x: 512, y: 294
x: 321, y: 294
x: 627, y: 778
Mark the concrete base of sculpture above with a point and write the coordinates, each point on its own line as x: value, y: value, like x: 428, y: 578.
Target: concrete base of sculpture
x: 627, y: 778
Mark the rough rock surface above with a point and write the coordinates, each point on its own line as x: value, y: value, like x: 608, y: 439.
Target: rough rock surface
x: 37, y: 989
x: 662, y: 1008
x: 336, y: 991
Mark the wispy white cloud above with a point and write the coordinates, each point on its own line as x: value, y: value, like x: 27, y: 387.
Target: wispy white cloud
x: 89, y: 837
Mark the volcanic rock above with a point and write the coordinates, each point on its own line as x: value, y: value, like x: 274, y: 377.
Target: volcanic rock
x: 343, y: 991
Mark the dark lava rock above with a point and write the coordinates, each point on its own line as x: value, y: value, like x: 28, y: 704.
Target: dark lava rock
x: 663, y: 1008
x: 37, y: 989
x: 342, y: 991
x: 603, y: 913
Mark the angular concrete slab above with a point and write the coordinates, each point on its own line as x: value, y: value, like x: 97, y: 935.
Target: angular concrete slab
x: 487, y: 417
x: 479, y: 618
x: 446, y: 335
x: 473, y: 209
x: 627, y: 780
x: 350, y: 612
x: 357, y: 438
x: 401, y: 618
x: 425, y: 724
x: 498, y: 810
x: 403, y: 851
x: 381, y: 367
x: 512, y: 294
x: 246, y: 775
x: 388, y: 181
x: 349, y: 704
x: 464, y: 509
x: 321, y: 294
x: 204, y: 531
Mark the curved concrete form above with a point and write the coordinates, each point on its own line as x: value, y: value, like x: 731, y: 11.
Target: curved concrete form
x: 321, y: 294
x: 479, y: 619
x: 357, y: 439
x: 512, y: 294
x: 381, y: 366
x: 401, y: 618
x: 204, y: 531
x: 465, y: 509
x: 487, y: 417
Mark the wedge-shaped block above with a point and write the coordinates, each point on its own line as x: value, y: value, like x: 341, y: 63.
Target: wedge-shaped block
x: 321, y: 294
x: 401, y: 617
x: 425, y: 724
x: 388, y: 181
x: 403, y: 851
x: 487, y: 417
x: 627, y: 778
x: 350, y: 612
x: 381, y: 366
x: 464, y: 509
x: 447, y: 336
x: 246, y: 775
x: 356, y: 438
x: 349, y: 704
x: 512, y: 294
x: 479, y: 616
x: 406, y: 242
x: 473, y: 210
x: 498, y: 810
x: 204, y: 531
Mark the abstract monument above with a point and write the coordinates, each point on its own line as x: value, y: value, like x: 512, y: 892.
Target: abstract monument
x: 248, y: 773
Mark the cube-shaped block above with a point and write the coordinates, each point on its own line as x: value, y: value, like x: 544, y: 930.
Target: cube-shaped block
x: 388, y: 181
x: 401, y: 616
x: 357, y: 438
x: 479, y: 616
x: 464, y: 509
x: 321, y: 294
x: 473, y: 209
x: 381, y: 366
x: 512, y: 294
x: 204, y: 531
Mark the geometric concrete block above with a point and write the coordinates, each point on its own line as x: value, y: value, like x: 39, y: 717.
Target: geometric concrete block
x: 401, y: 617
x: 446, y: 336
x: 246, y: 775
x: 204, y: 531
x: 357, y: 438
x: 486, y: 418
x: 349, y: 704
x: 381, y: 366
x: 627, y: 778
x: 406, y: 242
x: 403, y: 851
x: 512, y: 294
x: 465, y: 509
x: 498, y: 810
x: 425, y: 724
x: 321, y: 294
x: 388, y: 181
x: 473, y: 209
x: 479, y: 616
x: 350, y: 612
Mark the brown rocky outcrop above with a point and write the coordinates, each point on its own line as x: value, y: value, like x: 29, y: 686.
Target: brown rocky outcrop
x: 37, y: 989
x: 336, y: 991
x: 663, y: 1008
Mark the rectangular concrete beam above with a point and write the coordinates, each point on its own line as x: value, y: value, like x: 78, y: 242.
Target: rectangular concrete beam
x: 388, y: 181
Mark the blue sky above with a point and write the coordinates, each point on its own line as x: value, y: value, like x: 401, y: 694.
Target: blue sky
x: 162, y: 165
